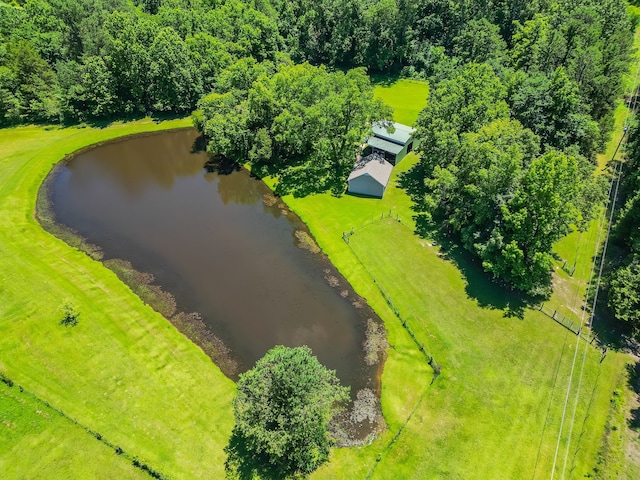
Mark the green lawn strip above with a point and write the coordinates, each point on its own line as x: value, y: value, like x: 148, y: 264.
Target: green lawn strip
x: 123, y: 371
x: 615, y: 461
x: 38, y: 442
x: 407, y: 97
x: 604, y: 159
x: 576, y: 252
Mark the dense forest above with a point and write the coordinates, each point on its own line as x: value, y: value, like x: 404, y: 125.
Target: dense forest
x: 522, y: 97
x: 623, y: 279
x: 92, y: 59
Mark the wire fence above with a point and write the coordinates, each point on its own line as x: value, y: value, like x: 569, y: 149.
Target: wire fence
x: 346, y: 236
x: 572, y: 325
x: 135, y: 461
x: 437, y: 368
x: 390, y: 214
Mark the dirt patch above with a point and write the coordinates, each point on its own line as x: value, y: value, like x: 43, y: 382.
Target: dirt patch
x: 269, y: 199
x: 375, y: 344
x: 306, y: 241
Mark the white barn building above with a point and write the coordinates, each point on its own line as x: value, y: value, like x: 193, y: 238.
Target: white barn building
x: 370, y: 176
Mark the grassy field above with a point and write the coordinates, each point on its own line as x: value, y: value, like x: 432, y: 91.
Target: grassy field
x: 38, y: 442
x: 123, y: 371
x: 503, y: 378
x: 127, y: 374
x: 408, y: 97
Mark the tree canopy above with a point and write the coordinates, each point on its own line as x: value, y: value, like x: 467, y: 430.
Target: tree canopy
x: 521, y: 94
x: 302, y: 122
x: 506, y: 191
x: 623, y: 277
x: 282, y: 410
x: 148, y: 56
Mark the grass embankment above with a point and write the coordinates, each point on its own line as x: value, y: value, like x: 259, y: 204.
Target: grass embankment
x: 495, y: 410
x: 123, y: 371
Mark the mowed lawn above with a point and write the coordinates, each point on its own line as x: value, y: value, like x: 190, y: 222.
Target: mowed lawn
x: 39, y: 443
x: 123, y: 371
x: 407, y: 97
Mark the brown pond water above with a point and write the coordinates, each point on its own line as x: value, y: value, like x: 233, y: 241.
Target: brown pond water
x: 219, y: 245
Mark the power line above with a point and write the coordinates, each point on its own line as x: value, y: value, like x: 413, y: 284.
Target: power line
x: 593, y: 310
x: 615, y: 179
x: 575, y: 354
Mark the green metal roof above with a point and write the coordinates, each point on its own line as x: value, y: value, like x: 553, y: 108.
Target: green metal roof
x: 401, y: 134
x: 384, y: 145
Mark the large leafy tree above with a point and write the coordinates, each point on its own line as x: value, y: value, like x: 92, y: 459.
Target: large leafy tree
x: 551, y: 106
x: 624, y: 277
x: 505, y: 204
x: 175, y: 85
x: 302, y: 123
x: 28, y: 88
x: 473, y: 97
x: 624, y: 294
x: 541, y: 212
x: 282, y: 410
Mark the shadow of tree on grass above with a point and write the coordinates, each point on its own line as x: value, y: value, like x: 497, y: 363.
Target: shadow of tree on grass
x: 480, y: 285
x: 244, y: 464
x: 633, y: 377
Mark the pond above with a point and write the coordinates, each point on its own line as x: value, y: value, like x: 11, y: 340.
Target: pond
x: 222, y: 245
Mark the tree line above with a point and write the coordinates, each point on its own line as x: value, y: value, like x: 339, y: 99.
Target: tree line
x: 622, y: 280
x: 496, y: 181
x: 94, y: 59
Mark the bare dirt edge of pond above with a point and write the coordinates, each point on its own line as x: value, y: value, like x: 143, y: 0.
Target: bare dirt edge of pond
x: 365, y: 407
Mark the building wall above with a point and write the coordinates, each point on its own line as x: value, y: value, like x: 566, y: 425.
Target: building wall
x: 365, y: 185
x: 403, y: 153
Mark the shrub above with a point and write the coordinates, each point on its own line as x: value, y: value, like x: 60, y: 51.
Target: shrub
x: 69, y: 315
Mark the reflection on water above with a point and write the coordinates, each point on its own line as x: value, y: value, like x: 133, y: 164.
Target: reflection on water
x: 207, y: 240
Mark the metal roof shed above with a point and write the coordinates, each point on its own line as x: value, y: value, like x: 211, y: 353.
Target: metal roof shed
x: 394, y: 146
x: 370, y: 176
x: 400, y: 135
